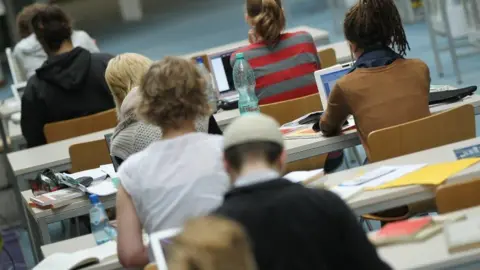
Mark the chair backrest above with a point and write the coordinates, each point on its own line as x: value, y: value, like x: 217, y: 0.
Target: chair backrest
x: 89, y: 155
x: 457, y: 196
x: 80, y: 126
x: 436, y: 130
x: 18, y: 75
x: 287, y: 111
x: 328, y: 57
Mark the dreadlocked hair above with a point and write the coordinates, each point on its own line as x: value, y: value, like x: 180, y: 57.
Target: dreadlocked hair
x: 376, y: 22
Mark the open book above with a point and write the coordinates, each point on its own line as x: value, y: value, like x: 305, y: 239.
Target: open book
x: 79, y: 259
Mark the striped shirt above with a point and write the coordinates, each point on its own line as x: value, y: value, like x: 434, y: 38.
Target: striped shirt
x: 285, y: 71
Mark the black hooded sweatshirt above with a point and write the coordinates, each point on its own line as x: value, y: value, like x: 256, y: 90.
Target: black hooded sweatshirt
x: 66, y: 86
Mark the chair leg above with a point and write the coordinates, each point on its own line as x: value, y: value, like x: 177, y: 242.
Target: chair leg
x: 345, y: 160
x: 77, y: 226
x: 356, y: 154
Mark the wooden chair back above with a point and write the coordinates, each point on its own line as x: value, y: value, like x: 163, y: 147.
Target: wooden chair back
x: 436, y: 130
x: 89, y: 155
x: 287, y: 111
x: 67, y: 129
x: 328, y: 57
x: 458, y: 196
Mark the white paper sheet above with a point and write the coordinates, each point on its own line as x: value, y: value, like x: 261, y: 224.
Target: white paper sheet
x: 103, y: 188
x: 300, y: 176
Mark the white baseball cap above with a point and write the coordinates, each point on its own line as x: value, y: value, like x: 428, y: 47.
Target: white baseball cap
x: 252, y: 127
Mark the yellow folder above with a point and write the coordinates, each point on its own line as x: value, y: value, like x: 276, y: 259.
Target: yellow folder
x: 430, y: 175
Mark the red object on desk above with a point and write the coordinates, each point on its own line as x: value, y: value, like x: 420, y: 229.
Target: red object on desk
x: 405, y: 228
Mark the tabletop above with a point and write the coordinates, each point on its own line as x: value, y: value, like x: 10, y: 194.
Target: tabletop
x: 379, y: 200
x: 434, y: 252
x: 77, y: 244
x: 319, y: 36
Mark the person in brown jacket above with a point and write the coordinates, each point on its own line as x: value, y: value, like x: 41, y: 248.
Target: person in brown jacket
x: 383, y: 88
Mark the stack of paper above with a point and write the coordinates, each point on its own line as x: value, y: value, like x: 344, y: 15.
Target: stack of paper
x: 302, y: 176
x: 377, y: 177
x: 430, y: 175
x: 96, y: 174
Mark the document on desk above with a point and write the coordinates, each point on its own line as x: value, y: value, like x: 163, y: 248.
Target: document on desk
x: 374, y: 178
x: 433, y: 175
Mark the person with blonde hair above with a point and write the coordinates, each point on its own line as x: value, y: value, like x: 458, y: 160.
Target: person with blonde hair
x: 123, y: 75
x: 29, y: 53
x: 211, y: 243
x: 178, y: 177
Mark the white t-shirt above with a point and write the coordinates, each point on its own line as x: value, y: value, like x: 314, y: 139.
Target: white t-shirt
x: 174, y: 180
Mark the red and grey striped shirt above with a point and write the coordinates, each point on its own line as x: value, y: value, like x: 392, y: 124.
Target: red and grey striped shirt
x: 285, y: 71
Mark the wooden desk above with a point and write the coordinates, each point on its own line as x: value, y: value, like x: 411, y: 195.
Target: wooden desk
x: 319, y: 36
x: 432, y: 254
x: 379, y: 200
x: 77, y: 244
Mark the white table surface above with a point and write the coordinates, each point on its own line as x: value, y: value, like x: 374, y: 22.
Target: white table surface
x: 224, y: 118
x: 27, y: 163
x: 77, y: 244
x: 379, y: 200
x: 319, y: 36
x: 430, y: 254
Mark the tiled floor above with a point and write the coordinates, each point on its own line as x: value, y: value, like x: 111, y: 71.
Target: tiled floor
x: 196, y: 25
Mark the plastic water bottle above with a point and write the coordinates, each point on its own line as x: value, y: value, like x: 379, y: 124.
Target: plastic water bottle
x: 212, y: 94
x: 101, y: 229
x: 244, y: 80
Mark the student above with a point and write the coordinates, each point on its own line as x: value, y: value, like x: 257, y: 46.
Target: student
x: 29, y: 52
x: 69, y: 84
x: 383, y: 89
x: 123, y: 76
x: 283, y: 63
x: 178, y: 177
x: 291, y: 226
x: 210, y: 243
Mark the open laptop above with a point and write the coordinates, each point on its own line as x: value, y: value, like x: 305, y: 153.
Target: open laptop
x: 326, y: 79
x: 222, y: 72
x: 159, y: 242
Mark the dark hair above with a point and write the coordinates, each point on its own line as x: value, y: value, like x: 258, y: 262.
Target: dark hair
x: 376, y: 22
x: 24, y: 19
x: 268, y: 19
x: 238, y: 154
x: 52, y: 26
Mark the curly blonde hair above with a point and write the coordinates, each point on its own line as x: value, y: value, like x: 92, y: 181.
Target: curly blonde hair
x: 123, y: 73
x: 211, y: 243
x: 172, y: 92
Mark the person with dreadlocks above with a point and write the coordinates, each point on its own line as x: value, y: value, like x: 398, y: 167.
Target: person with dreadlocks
x: 383, y: 88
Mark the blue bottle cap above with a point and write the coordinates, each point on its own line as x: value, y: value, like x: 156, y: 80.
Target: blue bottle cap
x: 239, y: 56
x: 199, y: 60
x: 94, y: 198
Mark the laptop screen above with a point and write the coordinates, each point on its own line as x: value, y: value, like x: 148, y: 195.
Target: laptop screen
x: 222, y: 70
x: 330, y: 79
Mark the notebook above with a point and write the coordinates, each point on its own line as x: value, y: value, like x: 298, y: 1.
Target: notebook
x: 411, y: 230
x: 83, y: 258
x: 57, y: 198
x: 468, y: 152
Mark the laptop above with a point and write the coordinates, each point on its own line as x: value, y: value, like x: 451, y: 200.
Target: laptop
x: 159, y: 242
x: 222, y: 72
x: 326, y: 79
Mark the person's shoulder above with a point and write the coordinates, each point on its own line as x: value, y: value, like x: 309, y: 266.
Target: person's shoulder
x: 101, y: 57
x: 416, y: 63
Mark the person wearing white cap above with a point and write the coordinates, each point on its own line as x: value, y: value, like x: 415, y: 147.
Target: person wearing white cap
x: 290, y: 226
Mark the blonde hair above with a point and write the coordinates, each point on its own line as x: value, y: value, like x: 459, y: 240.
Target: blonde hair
x: 123, y: 73
x: 268, y: 19
x: 211, y: 243
x: 172, y: 92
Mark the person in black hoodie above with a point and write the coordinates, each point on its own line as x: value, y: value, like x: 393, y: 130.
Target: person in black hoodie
x: 70, y: 84
x: 290, y: 226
